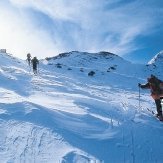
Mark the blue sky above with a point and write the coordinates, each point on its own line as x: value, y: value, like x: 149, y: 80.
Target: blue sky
x: 129, y: 28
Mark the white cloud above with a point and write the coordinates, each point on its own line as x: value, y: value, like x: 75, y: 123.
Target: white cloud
x: 85, y: 25
x: 19, y: 36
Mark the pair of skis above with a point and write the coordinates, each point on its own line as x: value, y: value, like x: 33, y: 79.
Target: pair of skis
x: 155, y: 115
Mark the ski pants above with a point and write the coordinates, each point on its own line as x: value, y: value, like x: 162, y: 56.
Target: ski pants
x: 29, y: 61
x: 158, y: 106
x: 35, y: 67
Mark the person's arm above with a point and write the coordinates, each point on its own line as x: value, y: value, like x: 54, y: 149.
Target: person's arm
x: 144, y: 85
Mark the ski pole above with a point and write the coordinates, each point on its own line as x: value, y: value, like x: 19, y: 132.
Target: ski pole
x: 139, y: 97
x: 38, y: 69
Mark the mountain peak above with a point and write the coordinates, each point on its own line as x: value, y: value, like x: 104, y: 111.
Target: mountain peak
x: 157, y: 59
x: 77, y: 53
x: 155, y: 64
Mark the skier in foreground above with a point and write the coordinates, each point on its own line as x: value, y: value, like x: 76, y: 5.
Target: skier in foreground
x: 35, y: 62
x: 29, y: 58
x: 155, y: 85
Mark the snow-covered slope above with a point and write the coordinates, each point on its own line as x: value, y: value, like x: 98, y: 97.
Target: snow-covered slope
x: 157, y: 59
x: 156, y: 64
x: 64, y: 115
x: 102, y: 61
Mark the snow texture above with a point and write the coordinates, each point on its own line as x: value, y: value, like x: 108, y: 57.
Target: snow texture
x: 62, y: 115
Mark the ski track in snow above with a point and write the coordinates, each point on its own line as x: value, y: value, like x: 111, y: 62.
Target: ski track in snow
x: 54, y: 117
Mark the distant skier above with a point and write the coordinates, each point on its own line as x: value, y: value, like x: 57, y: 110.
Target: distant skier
x: 35, y: 63
x: 29, y: 58
x: 155, y: 85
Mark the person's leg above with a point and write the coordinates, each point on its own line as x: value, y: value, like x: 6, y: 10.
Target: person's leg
x: 34, y: 69
x: 158, y: 106
x: 29, y: 61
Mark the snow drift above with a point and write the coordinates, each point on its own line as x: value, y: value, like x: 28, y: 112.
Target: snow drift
x: 65, y: 115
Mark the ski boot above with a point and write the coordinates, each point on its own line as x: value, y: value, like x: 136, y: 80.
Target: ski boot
x: 160, y: 117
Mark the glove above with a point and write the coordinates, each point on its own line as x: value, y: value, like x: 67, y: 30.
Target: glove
x: 139, y: 85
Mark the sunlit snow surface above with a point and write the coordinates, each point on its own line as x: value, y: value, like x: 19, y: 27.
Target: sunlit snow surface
x: 62, y: 115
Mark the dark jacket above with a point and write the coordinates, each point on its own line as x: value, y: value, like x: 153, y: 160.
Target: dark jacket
x: 154, y: 84
x: 35, y: 61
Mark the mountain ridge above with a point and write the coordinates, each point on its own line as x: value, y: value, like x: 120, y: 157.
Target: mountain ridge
x: 102, y: 61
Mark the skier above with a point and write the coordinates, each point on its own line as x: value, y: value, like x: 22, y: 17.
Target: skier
x: 155, y: 85
x: 29, y: 58
x: 35, y: 62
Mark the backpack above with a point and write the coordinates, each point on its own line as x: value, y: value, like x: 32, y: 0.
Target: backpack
x: 161, y: 86
x: 156, y: 85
